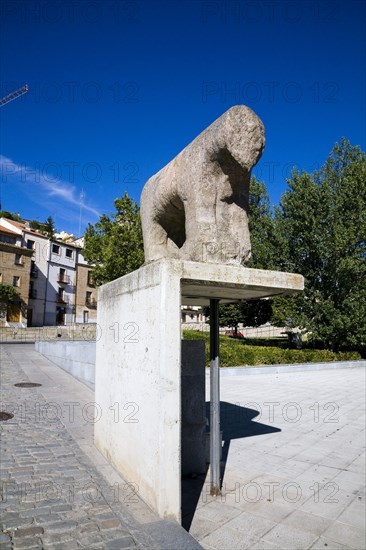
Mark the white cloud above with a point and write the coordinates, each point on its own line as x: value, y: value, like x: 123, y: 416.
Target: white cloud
x: 53, y: 186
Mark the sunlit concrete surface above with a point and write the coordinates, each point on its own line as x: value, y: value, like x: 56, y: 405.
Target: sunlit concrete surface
x: 293, y: 461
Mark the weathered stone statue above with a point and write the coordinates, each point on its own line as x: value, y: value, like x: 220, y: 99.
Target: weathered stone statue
x: 196, y: 207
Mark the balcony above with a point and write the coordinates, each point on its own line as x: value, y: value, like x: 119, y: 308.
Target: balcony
x: 62, y: 278
x: 32, y: 294
x: 91, y: 303
x: 62, y: 300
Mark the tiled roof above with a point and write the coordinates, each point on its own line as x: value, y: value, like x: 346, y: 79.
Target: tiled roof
x: 6, y: 230
x: 16, y: 224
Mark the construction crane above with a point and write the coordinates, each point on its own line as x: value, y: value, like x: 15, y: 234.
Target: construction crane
x: 14, y: 95
x: 7, y: 99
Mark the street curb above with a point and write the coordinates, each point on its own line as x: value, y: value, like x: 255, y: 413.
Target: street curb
x: 168, y: 534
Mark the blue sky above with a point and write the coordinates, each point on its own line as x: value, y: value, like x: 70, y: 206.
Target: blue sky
x: 118, y: 88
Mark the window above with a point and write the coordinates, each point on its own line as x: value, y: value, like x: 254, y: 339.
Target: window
x: 6, y: 239
x: 62, y: 275
x: 85, y: 316
x: 16, y: 281
x: 18, y: 259
x: 90, y: 278
x: 55, y: 249
x: 69, y: 252
x: 30, y: 244
x: 32, y: 290
x: 90, y: 301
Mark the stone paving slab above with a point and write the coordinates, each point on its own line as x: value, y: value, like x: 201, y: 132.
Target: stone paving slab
x: 294, y: 472
x: 58, y: 491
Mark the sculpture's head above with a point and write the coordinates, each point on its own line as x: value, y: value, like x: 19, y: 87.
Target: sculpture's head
x: 240, y: 132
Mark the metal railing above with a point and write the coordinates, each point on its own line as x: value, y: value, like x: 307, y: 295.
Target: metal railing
x: 63, y: 300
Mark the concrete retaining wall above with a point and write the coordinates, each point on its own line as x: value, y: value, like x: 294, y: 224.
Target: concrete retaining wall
x: 76, y: 331
x: 76, y: 358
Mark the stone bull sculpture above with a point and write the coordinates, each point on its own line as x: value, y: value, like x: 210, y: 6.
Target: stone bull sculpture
x: 196, y: 207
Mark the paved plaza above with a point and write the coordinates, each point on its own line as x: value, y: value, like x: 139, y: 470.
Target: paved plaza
x: 294, y: 459
x: 293, y: 466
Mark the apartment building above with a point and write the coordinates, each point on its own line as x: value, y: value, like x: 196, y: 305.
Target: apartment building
x: 61, y: 278
x: 52, y: 280
x: 15, y: 262
x: 38, y: 244
x: 192, y: 314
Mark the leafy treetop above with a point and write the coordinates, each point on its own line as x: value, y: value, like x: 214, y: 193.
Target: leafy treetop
x: 8, y: 293
x: 114, y: 244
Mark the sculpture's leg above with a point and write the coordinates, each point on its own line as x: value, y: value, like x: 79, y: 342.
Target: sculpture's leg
x: 155, y: 239
x: 201, y: 244
x: 157, y: 243
x: 216, y: 232
x: 234, y: 237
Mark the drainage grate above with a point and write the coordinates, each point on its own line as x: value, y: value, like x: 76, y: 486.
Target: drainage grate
x: 5, y: 416
x: 27, y: 385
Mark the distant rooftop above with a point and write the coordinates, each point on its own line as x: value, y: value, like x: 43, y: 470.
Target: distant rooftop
x: 63, y: 236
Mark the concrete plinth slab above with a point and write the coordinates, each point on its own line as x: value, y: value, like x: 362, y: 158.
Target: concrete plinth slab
x: 202, y: 282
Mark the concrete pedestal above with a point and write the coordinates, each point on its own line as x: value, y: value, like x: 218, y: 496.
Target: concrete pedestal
x: 138, y: 365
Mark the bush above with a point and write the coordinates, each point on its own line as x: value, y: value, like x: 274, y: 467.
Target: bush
x: 234, y: 353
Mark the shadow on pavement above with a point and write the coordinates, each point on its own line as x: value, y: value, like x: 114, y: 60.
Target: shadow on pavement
x: 236, y: 422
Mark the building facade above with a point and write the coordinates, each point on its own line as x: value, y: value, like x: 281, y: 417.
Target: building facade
x: 38, y: 244
x: 60, y: 307
x: 15, y: 262
x: 54, y: 268
x: 86, y: 294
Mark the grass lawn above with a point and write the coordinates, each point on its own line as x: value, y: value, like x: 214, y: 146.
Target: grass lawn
x: 267, y: 351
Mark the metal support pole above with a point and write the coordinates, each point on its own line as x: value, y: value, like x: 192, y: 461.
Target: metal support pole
x: 215, y: 442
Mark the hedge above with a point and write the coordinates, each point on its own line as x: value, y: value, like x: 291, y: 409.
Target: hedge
x: 236, y: 352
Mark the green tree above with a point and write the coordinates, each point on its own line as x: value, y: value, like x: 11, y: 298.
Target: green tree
x: 48, y: 227
x: 252, y: 313
x: 10, y: 216
x: 230, y: 315
x: 256, y: 312
x: 261, y: 226
x: 35, y: 224
x: 114, y: 244
x: 8, y: 295
x: 321, y: 227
